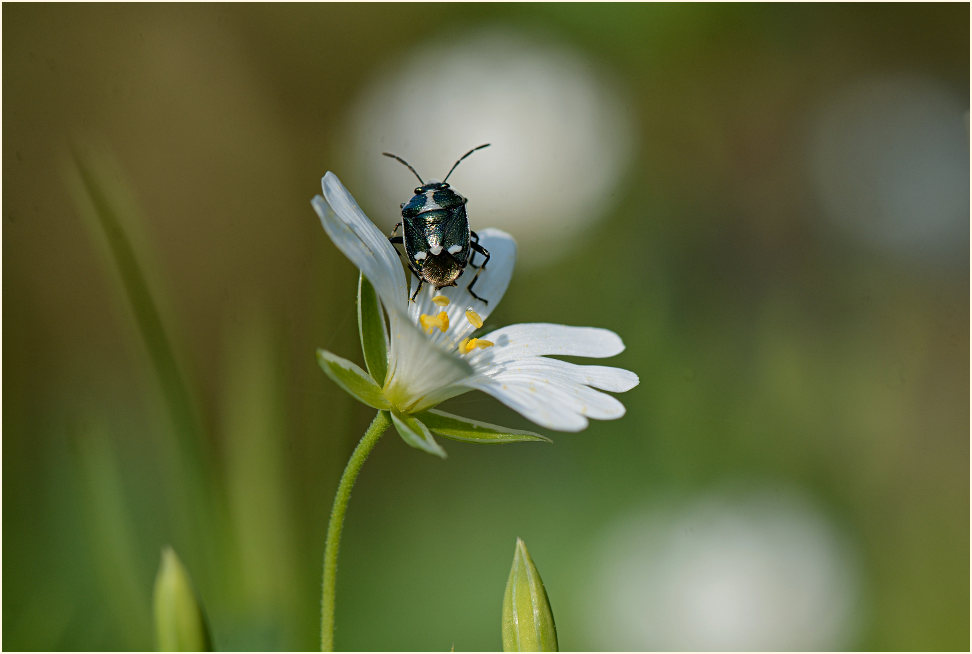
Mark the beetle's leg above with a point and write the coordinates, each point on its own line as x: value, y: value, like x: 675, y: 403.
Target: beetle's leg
x: 476, y: 247
x: 418, y: 276
x: 396, y: 240
x: 473, y: 238
x: 418, y: 288
x: 483, y: 251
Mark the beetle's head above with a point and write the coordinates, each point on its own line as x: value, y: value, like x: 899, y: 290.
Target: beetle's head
x: 430, y: 185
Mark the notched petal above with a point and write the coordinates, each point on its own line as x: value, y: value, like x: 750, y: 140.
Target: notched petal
x: 542, y: 339
x: 545, y: 409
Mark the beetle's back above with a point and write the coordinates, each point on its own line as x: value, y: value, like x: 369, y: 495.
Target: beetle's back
x: 436, y: 227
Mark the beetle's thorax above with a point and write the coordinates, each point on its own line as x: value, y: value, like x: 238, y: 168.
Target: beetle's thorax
x: 432, y: 196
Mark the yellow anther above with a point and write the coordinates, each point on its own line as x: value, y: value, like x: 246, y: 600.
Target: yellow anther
x: 441, y: 300
x: 469, y: 344
x: 429, y: 322
x: 474, y: 318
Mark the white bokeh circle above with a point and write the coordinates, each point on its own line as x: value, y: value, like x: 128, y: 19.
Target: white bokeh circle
x: 561, y: 135
x: 730, y: 571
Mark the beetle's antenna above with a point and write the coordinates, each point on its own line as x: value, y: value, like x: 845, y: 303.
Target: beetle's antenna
x: 395, y: 156
x: 478, y: 147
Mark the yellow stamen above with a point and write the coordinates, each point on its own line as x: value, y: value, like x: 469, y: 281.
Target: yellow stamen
x: 441, y: 300
x: 429, y: 322
x: 474, y: 318
x: 469, y: 344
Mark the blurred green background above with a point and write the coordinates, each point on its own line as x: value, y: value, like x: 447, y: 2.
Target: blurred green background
x: 782, y: 245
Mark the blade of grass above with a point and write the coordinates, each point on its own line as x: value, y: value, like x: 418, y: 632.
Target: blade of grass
x: 144, y: 308
x: 196, y: 523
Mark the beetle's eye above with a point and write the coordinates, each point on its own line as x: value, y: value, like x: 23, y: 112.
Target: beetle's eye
x: 445, y: 185
x: 417, y: 190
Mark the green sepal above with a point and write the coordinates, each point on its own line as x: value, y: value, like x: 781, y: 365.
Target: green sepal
x: 416, y: 434
x: 473, y: 431
x: 528, y: 623
x: 371, y: 328
x: 352, y: 379
x: 179, y: 622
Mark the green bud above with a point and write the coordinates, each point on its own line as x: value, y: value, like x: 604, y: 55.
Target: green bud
x: 528, y: 623
x: 179, y: 622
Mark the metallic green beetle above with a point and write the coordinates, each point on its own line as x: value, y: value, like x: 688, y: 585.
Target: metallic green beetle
x: 437, y: 239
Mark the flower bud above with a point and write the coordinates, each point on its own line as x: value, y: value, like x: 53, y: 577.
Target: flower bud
x: 179, y: 622
x: 528, y: 623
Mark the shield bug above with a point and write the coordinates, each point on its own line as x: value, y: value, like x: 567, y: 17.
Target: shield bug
x: 437, y: 239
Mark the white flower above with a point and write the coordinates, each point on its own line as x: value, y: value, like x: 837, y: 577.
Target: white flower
x: 431, y: 352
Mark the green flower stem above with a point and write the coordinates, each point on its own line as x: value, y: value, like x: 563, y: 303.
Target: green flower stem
x: 336, y: 524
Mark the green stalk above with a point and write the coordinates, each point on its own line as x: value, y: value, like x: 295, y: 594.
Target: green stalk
x: 332, y: 544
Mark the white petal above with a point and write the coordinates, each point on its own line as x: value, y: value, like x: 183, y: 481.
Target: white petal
x: 560, y: 387
x: 539, y: 339
x: 358, y: 238
x: 547, y: 412
x: 616, y: 380
x: 554, y: 393
x: 492, y: 284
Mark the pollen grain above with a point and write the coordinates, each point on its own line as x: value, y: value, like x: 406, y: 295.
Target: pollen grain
x: 431, y: 322
x: 467, y: 345
x: 474, y: 318
x: 441, y: 300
